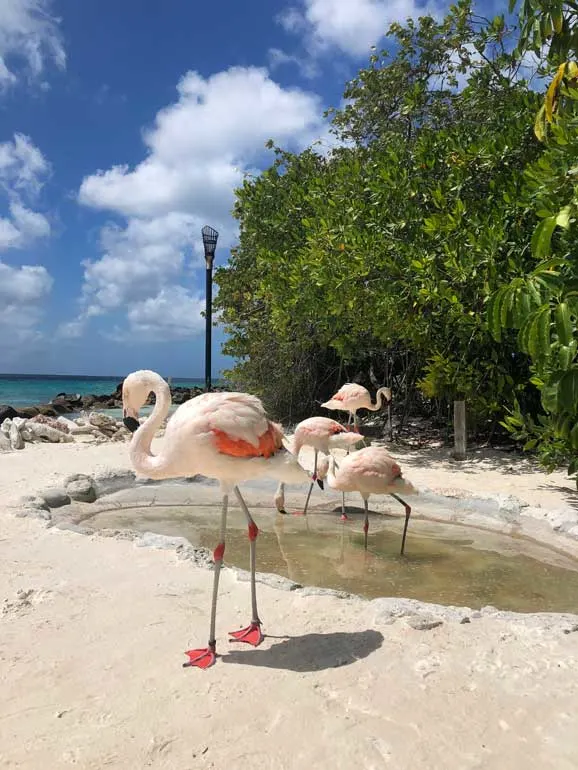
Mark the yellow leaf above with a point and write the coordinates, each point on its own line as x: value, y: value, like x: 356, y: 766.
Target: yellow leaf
x: 572, y: 70
x: 563, y: 218
x: 552, y: 92
x: 539, y: 125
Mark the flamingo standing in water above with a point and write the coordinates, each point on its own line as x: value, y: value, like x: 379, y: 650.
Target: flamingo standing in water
x: 226, y: 436
x: 372, y: 471
x: 322, y: 434
x: 352, y: 397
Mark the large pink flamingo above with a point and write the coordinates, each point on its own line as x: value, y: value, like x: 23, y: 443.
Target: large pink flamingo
x: 322, y: 434
x: 352, y: 397
x: 226, y: 436
x: 372, y: 471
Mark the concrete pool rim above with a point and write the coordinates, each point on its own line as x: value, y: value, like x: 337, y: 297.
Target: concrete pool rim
x: 556, y: 529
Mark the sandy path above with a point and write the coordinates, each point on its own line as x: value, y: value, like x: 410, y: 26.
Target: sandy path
x: 91, y: 653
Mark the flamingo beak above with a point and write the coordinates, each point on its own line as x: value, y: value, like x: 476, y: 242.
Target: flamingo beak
x: 320, y: 482
x: 130, y: 420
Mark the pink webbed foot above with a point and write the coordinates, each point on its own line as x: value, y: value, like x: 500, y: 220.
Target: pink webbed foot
x: 202, y: 658
x: 344, y: 517
x: 299, y: 513
x: 251, y: 635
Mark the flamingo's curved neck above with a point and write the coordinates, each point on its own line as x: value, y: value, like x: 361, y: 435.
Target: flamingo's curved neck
x: 379, y: 396
x: 143, y: 460
x: 331, y: 471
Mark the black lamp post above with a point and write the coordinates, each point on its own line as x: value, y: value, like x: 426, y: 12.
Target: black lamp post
x: 210, y: 245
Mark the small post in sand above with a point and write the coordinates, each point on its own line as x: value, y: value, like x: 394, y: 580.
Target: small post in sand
x: 459, y: 452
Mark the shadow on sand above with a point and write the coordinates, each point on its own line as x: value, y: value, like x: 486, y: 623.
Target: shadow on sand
x: 310, y: 652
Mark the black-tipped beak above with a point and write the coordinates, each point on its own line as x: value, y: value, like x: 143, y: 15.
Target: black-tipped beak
x: 320, y: 482
x: 131, y: 424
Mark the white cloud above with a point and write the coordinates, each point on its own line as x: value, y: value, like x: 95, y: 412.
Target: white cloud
x: 174, y: 313
x: 138, y: 259
x: 29, y: 35
x: 22, y: 172
x: 23, y: 284
x: 353, y: 27
x: 198, y: 145
x: 22, y: 165
x: 306, y: 65
x: 23, y: 289
x: 196, y: 154
x: 22, y: 292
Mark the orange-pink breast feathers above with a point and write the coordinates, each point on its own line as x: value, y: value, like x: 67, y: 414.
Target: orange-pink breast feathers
x: 268, y: 443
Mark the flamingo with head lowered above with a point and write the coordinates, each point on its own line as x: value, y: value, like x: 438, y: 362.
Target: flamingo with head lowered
x: 225, y: 436
x: 372, y: 471
x: 352, y: 397
x: 322, y: 434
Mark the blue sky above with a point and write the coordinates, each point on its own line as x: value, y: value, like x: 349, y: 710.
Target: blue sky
x: 124, y: 127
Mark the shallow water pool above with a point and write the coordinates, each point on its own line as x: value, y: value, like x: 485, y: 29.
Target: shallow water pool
x: 448, y: 564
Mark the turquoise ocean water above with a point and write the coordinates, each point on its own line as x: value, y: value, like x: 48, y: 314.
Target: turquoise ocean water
x: 27, y: 389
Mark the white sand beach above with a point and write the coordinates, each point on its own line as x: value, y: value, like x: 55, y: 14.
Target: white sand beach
x: 93, y: 631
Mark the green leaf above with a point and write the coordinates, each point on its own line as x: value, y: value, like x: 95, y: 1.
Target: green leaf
x: 563, y: 324
x: 568, y: 391
x: 565, y: 357
x: 539, y: 334
x: 494, y: 314
x: 574, y: 437
x: 549, y: 398
x: 542, y: 237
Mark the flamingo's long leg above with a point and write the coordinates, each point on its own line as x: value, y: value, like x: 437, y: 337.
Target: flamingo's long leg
x: 344, y: 516
x: 280, y: 496
x: 205, y: 657
x: 313, y: 480
x: 356, y: 429
x: 366, y: 521
x: 252, y: 634
x: 407, y: 515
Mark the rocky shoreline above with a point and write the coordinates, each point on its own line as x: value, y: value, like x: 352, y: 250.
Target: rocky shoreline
x: 67, y: 403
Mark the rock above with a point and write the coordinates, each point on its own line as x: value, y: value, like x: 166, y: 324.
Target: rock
x: 7, y: 412
x: 33, y: 513
x: 66, y: 423
x: 28, y: 411
x: 108, y: 482
x: 47, y: 432
x: 423, y: 622
x: 152, y: 540
x: 48, y: 411
x: 33, y: 501
x: 101, y: 420
x: 5, y: 445
x: 51, y: 421
x: 83, y: 430
x: 71, y: 397
x: 55, y: 497
x: 317, y: 591
x: 81, y: 489
x: 275, y: 581
x: 16, y: 439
